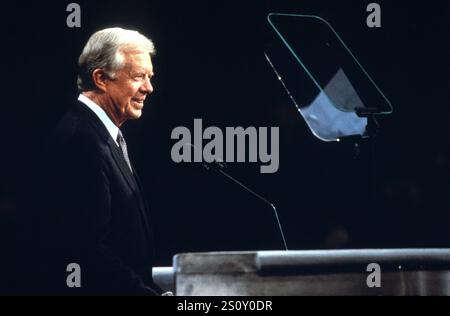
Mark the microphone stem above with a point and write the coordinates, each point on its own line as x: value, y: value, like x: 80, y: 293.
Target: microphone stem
x: 261, y: 198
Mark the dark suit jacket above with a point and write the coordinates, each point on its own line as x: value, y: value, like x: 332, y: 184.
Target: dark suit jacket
x: 92, y: 212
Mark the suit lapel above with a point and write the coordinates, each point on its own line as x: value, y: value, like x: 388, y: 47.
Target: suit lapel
x: 122, y: 164
x: 116, y: 152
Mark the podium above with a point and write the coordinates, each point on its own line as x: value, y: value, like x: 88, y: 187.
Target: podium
x: 392, y: 272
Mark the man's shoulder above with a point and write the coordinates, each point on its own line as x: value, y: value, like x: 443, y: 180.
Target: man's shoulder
x: 77, y: 128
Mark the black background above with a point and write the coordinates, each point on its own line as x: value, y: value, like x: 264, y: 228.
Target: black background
x: 210, y: 65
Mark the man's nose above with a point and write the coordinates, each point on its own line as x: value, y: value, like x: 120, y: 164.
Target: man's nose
x: 147, y: 86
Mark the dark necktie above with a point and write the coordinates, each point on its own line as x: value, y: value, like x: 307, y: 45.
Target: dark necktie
x: 123, y: 147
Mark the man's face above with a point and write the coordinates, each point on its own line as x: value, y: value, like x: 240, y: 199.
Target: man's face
x: 131, y: 85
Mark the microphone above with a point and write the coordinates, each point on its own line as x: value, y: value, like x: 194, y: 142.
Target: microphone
x: 219, y: 166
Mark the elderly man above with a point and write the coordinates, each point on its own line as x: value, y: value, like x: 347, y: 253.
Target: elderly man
x: 93, y: 211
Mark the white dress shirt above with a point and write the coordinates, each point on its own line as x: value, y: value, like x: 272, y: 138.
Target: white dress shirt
x: 110, y: 126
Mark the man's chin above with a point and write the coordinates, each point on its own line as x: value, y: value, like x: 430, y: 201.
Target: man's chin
x: 136, y: 114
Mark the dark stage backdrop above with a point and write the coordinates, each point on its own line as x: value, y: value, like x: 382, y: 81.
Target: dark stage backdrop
x: 210, y: 65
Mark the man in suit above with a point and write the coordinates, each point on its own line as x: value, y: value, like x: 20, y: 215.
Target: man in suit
x: 92, y: 207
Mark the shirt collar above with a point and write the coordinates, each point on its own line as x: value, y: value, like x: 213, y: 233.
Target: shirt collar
x: 110, y: 126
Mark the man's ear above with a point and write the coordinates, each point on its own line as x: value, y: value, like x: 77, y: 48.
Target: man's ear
x: 100, y: 78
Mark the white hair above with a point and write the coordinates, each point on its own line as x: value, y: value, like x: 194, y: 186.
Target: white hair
x: 105, y: 50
